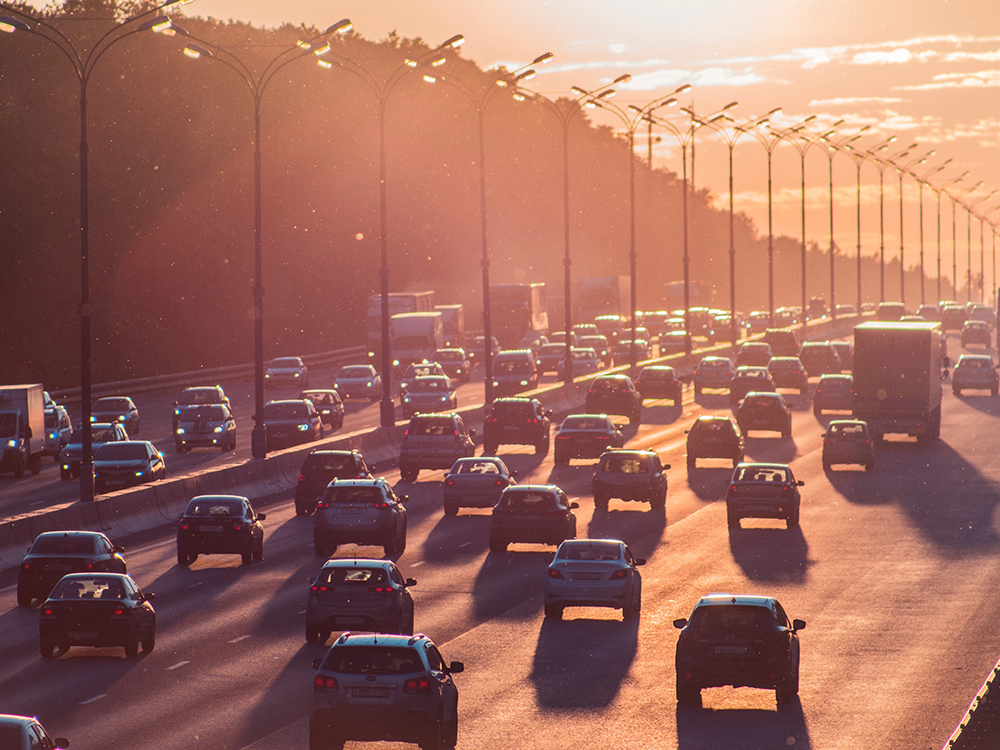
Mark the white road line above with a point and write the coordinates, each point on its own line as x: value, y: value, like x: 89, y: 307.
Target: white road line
x: 418, y: 563
x: 95, y: 698
x: 178, y: 665
x: 466, y: 544
x: 302, y: 612
x: 195, y: 584
x: 237, y: 640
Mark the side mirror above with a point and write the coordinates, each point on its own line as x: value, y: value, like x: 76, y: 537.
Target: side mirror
x: 800, y: 483
x: 639, y: 561
x: 823, y: 434
x: 456, y: 666
x: 472, y: 433
x: 261, y: 516
x: 666, y: 467
x: 371, y: 468
x: 574, y: 506
x: 548, y: 412
x: 316, y: 663
x: 680, y: 623
x: 798, y: 625
x: 404, y: 498
x: 411, y: 582
x: 119, y: 549
x: 514, y: 474
x: 148, y: 597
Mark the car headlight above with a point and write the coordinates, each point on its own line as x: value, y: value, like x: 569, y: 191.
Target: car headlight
x: 53, y: 435
x: 140, y: 472
x: 267, y: 374
x: 92, y: 418
x: 177, y: 412
x: 180, y: 430
x: 524, y: 382
x: 218, y: 429
x: 496, y: 383
x: 296, y: 374
x: 406, y: 399
x: 303, y: 427
x: 444, y: 399
x: 121, y: 418
x: 368, y: 384
x: 395, y: 363
x: 11, y: 443
x: 458, y: 370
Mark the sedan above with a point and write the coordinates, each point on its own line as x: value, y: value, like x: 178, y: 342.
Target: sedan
x: 199, y: 395
x: 419, y: 370
x: 594, y: 573
x: 630, y: 475
x: 25, y: 733
x: 976, y: 332
x: 549, y: 357
x: 788, y: 372
x: 713, y: 372
x: 586, y: 436
x: 291, y: 422
x: 585, y: 362
x: 287, y: 371
x: 614, y: 394
x: 358, y: 381
x: 749, y: 379
x: 57, y: 553
x: 220, y: 525
x: 539, y: 514
x: 600, y: 345
x: 117, y: 409
x: 429, y: 394
x: 128, y: 463
x: 975, y: 372
x: 764, y: 411
x: 475, y: 483
x: 205, y: 427
x: 97, y: 609
x: 329, y: 405
x: 71, y: 455
x: 754, y: 354
x: 763, y: 491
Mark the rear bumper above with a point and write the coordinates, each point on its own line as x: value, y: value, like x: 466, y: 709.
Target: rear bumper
x: 369, y: 723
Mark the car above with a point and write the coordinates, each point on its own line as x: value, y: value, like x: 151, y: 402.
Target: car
x: 657, y: 322
x: 748, y: 379
x: 586, y: 436
x: 220, y: 525
x: 610, y: 326
x: 358, y: 594
x: 533, y: 340
x: 291, y: 422
x: 584, y: 329
x: 702, y: 322
x: 754, y: 353
x: 819, y: 358
x: 418, y: 370
x: 559, y: 337
x: 548, y: 358
x: 985, y: 313
x: 743, y: 641
x: 783, y: 342
x: 358, y: 381
x: 97, y: 609
x: 433, y: 441
x: 475, y: 483
x: 784, y: 317
x: 585, y: 362
x: 912, y: 319
x: 625, y: 349
x: 199, y: 395
x: 127, y: 463
x: 614, y: 394
x: 429, y: 394
x: 58, y: 431
x: 360, y: 511
x: 517, y: 421
x: 890, y: 311
x: 455, y: 363
x: 26, y: 733
x: 845, y: 311
x: 868, y: 308
x: 714, y: 437
x: 594, y: 573
x: 760, y: 490
x: 287, y: 371
x: 600, y: 346
x: 320, y: 468
x: 477, y: 349
x: 975, y: 372
x: 117, y: 409
x: 929, y: 312
x: 953, y: 317
x: 514, y: 371
x: 53, y: 554
x: 329, y: 405
x: 845, y: 353
x: 835, y: 392
x: 713, y: 372
x: 100, y: 433
x: 211, y: 426
x: 660, y: 381
x: 788, y: 372
x: 758, y: 322
x: 673, y: 342
x: 976, y: 332
x: 534, y: 514
x: 764, y: 411
x: 630, y: 475
x: 848, y: 441
x: 384, y: 687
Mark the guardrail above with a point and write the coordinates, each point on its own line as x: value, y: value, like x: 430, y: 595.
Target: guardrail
x: 979, y: 728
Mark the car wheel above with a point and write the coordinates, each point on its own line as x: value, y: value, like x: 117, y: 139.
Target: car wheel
x: 183, y: 557
x: 660, y: 501
x: 816, y: 411
x: 247, y: 554
x: 65, y: 475
x: 258, y: 553
x: 498, y: 545
x: 782, y: 691
x: 631, y: 610
x: 636, y: 417
x: 561, y: 459
x: 691, y: 461
x: 802, y: 391
x: 732, y: 519
x: 601, y: 502
x: 870, y: 466
x: 553, y: 611
x: 149, y: 642
x: 542, y: 447
x: 451, y: 509
x: 793, y: 520
x: 491, y: 449
x: 827, y: 465
x: 132, y: 644
x: 300, y: 509
x: 697, y: 390
x: 47, y: 648
x: 313, y: 633
x: 18, y: 467
x: 687, y: 693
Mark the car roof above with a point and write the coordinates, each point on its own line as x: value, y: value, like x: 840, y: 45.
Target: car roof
x: 95, y: 574
x: 210, y: 498
x: 202, y: 388
x: 514, y: 400
x: 712, y: 418
x: 743, y: 599
x: 712, y: 360
x: 848, y: 421
x: 12, y: 719
x: 353, y: 562
x: 380, y: 639
x: 836, y: 377
x: 532, y: 488
x: 333, y: 452
x: 629, y: 452
x: 657, y: 368
x: 319, y: 390
x: 588, y: 541
x: 68, y: 533
x: 786, y: 359
x: 755, y: 464
x: 288, y: 401
x: 975, y: 356
x: 615, y: 376
x: 376, y: 481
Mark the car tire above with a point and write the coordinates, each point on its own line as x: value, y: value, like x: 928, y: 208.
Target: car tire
x: 18, y: 467
x: 553, y: 612
x: 782, y: 691
x: 490, y: 449
x: 498, y: 545
x: 601, y: 502
x: 870, y: 466
x: 687, y: 693
x: 132, y: 644
x: 816, y: 411
x: 300, y: 509
x: 827, y: 465
x: 35, y: 464
x: 65, y: 475
x: 793, y: 520
x: 732, y: 519
x: 434, y: 739
x: 23, y: 597
x: 47, y: 649
x: 247, y: 554
x: 631, y: 610
x: 149, y: 642
x: 697, y: 390
x: 313, y: 633
x: 691, y: 462
x: 659, y: 502
x: 258, y: 553
x: 451, y: 509
x: 560, y: 459
x: 542, y: 448
x: 183, y: 556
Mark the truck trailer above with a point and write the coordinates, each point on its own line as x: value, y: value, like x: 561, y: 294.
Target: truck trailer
x: 606, y: 295
x: 22, y: 428
x: 453, y: 320
x: 516, y: 309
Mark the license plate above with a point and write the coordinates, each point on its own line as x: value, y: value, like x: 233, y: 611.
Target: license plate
x: 211, y: 528
x: 60, y: 566
x: 82, y: 634
x: 759, y: 507
x: 351, y: 511
x: 370, y: 692
x: 527, y: 517
x: 511, y: 427
x: 730, y: 649
x: 586, y: 576
x: 350, y: 620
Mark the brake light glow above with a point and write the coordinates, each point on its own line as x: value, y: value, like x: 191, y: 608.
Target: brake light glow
x: 321, y: 589
x: 302, y: 477
x: 450, y: 482
x: 322, y: 505
x: 555, y: 573
x: 237, y: 527
x: 419, y: 685
x: 26, y: 566
x: 325, y: 684
x: 185, y: 526
x: 47, y: 611
x: 380, y: 590
x: 618, y: 575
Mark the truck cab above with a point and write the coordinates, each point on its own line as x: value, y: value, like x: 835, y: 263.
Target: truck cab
x: 22, y: 428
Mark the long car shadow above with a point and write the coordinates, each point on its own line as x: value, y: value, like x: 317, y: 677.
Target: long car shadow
x: 709, y: 483
x: 738, y: 729
x: 661, y: 412
x: 508, y: 579
x: 639, y: 527
x: 777, y: 450
x: 456, y: 538
x: 769, y: 554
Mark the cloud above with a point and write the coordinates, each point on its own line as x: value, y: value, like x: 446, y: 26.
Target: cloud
x: 845, y: 100
x: 981, y: 79
x: 901, y: 55
x: 973, y: 56
x: 618, y: 48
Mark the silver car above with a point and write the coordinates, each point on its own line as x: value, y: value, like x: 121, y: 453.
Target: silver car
x: 713, y: 372
x: 974, y: 372
x: 594, y: 573
x: 26, y: 733
x: 58, y: 430
x: 100, y: 433
x: 287, y: 371
x: 429, y: 394
x: 358, y: 381
x: 210, y: 426
x: 475, y: 483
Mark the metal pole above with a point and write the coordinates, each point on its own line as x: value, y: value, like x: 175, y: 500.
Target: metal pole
x: 770, y: 238
x: 902, y: 291
x: 387, y: 408
x: 938, y: 246
x: 568, y: 277
x: 687, y: 260
x: 258, y: 437
x: 859, y: 163
x: 968, y: 245
x: 631, y: 253
x: 982, y: 259
x: 86, y: 310
x: 921, y: 198
x: 833, y: 301
x: 485, y: 262
x: 733, y: 336
x: 805, y: 299
x: 954, y: 252
x: 881, y: 235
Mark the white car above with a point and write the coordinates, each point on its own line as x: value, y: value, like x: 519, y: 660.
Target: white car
x: 287, y: 371
x: 594, y: 573
x: 358, y: 381
x: 26, y: 733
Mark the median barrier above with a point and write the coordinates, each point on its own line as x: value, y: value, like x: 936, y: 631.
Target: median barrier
x: 979, y: 728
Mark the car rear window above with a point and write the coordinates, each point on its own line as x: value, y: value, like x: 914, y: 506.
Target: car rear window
x: 714, y: 363
x: 202, y: 414
x: 761, y: 474
x: 65, y: 544
x: 588, y: 550
x: 366, y: 495
x: 88, y: 588
x: 626, y: 464
x: 285, y: 411
x: 431, y: 426
x: 604, y: 385
x: 760, y: 400
x: 353, y: 577
x: 372, y: 660
x: 836, y: 384
x: 552, y: 349
x: 121, y: 451
x: 651, y: 375
x: 354, y: 372
x: 711, y: 426
x: 199, y: 396
x: 528, y: 501
x: 108, y: 404
x: 326, y: 462
x: 977, y: 364
x: 848, y: 430
x: 513, y: 410
x: 429, y: 385
x: 415, y: 371
x: 215, y: 508
x: 734, y: 618
x: 476, y: 467
x: 585, y: 423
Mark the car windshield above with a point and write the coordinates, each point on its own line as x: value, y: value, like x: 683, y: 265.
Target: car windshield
x: 762, y: 474
x: 628, y: 464
x: 585, y: 423
x: 111, y: 404
x: 445, y: 355
x: 199, y: 396
x: 354, y: 372
x: 366, y: 495
x: 353, y: 576
x: 512, y: 410
x: 372, y: 660
x: 608, y: 384
x: 286, y: 362
x: 974, y: 364
x: 734, y: 618
x: 551, y: 349
x: 475, y: 467
x: 327, y: 462
x: 847, y: 430
x: 215, y: 507
x: 517, y: 366
x: 429, y: 385
x: 285, y: 411
x: 752, y: 372
x: 63, y: 544
x: 88, y: 588
x: 583, y: 354
x: 432, y: 426
x: 121, y: 451
x: 714, y: 363
x: 212, y: 413
x: 835, y: 384
x: 528, y: 501
x: 588, y: 550
x: 97, y: 435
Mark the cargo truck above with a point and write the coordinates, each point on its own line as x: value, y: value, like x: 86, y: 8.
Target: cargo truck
x: 606, y: 295
x: 399, y: 302
x: 415, y: 337
x: 516, y: 309
x: 22, y: 428
x: 453, y: 320
x: 897, y: 378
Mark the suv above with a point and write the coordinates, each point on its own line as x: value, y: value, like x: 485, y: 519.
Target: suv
x: 660, y: 381
x: 819, y: 358
x: 713, y: 372
x: 384, y: 687
x: 630, y: 475
x: 763, y: 491
x: 360, y: 511
x: 975, y: 371
x: 455, y: 363
x: 847, y: 441
x: 975, y: 332
x: 749, y: 379
x: 517, y: 421
x: 320, y: 468
x: 614, y: 394
x: 199, y: 396
x: 890, y: 311
x: 220, y: 525
x: 58, y: 430
x: 211, y: 426
x: 788, y: 372
x: 548, y: 357
x: 514, y: 371
x: 953, y: 317
x: 834, y: 392
x: 754, y: 354
x: 783, y: 342
x: 714, y: 437
x: 743, y: 641
x: 764, y: 411
x: 433, y: 441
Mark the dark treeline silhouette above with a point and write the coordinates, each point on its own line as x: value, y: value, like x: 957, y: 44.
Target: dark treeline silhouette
x: 171, y: 197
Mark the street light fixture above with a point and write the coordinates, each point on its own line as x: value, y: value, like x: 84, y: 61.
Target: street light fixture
x: 970, y: 209
x: 982, y: 249
x: 921, y: 181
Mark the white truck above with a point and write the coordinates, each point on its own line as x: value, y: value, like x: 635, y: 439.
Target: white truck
x: 399, y: 302
x: 22, y: 428
x: 453, y: 319
x: 415, y: 337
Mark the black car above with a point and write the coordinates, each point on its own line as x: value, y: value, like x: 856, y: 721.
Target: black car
x: 630, y: 475
x: 517, y: 421
x: 714, y: 437
x: 953, y: 317
x: 57, y: 553
x: 291, y: 422
x: 788, y: 372
x: 743, y: 641
x: 455, y: 363
x: 749, y: 379
x: 532, y: 513
x: 72, y: 454
x: 847, y: 441
x: 329, y: 405
x: 320, y: 468
x: 763, y: 491
x: 975, y: 332
x: 764, y: 411
x: 97, y: 609
x: 834, y: 392
x: 199, y: 395
x: 220, y: 525
x: 819, y: 358
x: 754, y: 354
x: 660, y: 381
x: 117, y: 409
x: 360, y: 511
x: 211, y: 426
x: 127, y: 463
x: 614, y: 394
x: 586, y: 436
x: 783, y: 342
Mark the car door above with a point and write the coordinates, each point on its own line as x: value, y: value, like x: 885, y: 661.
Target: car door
x: 449, y: 692
x: 633, y: 573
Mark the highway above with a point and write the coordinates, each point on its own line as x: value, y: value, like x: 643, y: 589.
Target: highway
x: 891, y: 570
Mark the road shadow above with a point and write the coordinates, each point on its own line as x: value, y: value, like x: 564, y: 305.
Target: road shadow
x: 770, y: 554
x: 457, y: 538
x: 739, y: 729
x: 714, y: 401
x: 661, y: 412
x: 508, y: 579
x: 581, y: 663
x: 775, y: 450
x: 710, y: 483
x: 640, y: 527
x: 980, y: 400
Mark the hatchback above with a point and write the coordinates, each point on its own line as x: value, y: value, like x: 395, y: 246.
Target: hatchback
x: 358, y: 381
x: 329, y: 405
x: 287, y: 371
x: 320, y: 468
x: 433, y: 393
x: 847, y: 441
x: 532, y: 513
x: 834, y: 392
x: 660, y: 381
x: 54, y: 554
x: 614, y: 394
x: 220, y: 525
x: 211, y: 426
x: 586, y: 436
x: 713, y: 372
x: 749, y: 379
x: 975, y: 333
x: 714, y: 437
x: 594, y: 573
x: 630, y: 475
x: 975, y: 372
x: 127, y: 463
x: 475, y: 483
x: 433, y: 441
x: 788, y: 372
x: 763, y: 491
x: 360, y: 511
x: 764, y: 411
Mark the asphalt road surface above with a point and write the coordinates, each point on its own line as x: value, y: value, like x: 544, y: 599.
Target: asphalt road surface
x: 893, y: 572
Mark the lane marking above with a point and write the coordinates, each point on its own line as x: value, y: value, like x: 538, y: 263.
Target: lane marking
x: 177, y: 665
x: 95, y: 698
x: 302, y: 612
x: 237, y: 640
x: 195, y: 584
x: 466, y: 544
x: 417, y: 564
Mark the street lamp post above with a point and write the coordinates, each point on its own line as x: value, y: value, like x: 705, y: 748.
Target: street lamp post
x: 903, y: 171
x: 955, y: 200
x: 970, y: 210
x: 982, y: 250
x: 921, y: 181
x: 257, y: 84
x: 938, y: 190
x: 83, y: 66
x: 882, y: 165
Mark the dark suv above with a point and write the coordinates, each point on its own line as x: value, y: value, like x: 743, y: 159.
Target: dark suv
x: 221, y: 525
x: 660, y: 381
x: 630, y: 475
x: 783, y: 342
x: 754, y: 354
x: 57, y: 553
x: 743, y: 641
x: 517, y: 421
x: 514, y: 371
x: 533, y: 513
x: 819, y: 358
x: 360, y: 511
x: 614, y: 394
x: 320, y: 468
x: 199, y: 395
x: 433, y: 441
x: 764, y: 411
x: 714, y: 437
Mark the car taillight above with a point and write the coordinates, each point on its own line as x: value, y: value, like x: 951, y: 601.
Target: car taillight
x: 380, y: 589
x: 449, y: 482
x: 88, y: 566
x: 618, y: 575
x: 325, y: 684
x: 456, y: 433
x: 733, y: 488
x: 562, y: 437
x: 866, y: 442
x: 406, y: 432
x: 319, y: 589
x: 381, y: 505
x: 499, y: 482
x: 185, y: 526
x: 302, y: 477
x: 419, y: 685
x: 120, y: 612
x: 555, y: 573
x: 25, y: 566
x: 237, y: 527
x: 47, y: 611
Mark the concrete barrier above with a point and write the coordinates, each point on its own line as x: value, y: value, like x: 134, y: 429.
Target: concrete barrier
x: 979, y: 728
